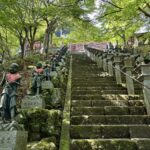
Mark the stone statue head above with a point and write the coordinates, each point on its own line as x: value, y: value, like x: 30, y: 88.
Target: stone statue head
x: 13, y: 68
x: 39, y: 65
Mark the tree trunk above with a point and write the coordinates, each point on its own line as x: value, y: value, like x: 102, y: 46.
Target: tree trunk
x: 51, y: 38
x: 22, y: 48
x: 46, y: 40
x: 49, y: 34
x: 30, y: 34
x: 124, y: 40
x: 22, y: 44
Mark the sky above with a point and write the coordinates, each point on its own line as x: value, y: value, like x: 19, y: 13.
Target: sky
x: 95, y: 14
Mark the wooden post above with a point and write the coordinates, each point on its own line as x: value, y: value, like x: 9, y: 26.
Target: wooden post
x: 129, y: 82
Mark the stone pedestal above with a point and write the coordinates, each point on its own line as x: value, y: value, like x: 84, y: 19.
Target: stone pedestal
x: 104, y: 62
x: 56, y: 97
x: 13, y: 140
x: 47, y: 85
x: 129, y: 82
x: 92, y: 56
x: 97, y: 58
x: 117, y: 61
x: 146, y: 81
x: 88, y: 53
x: 100, y: 62
x: 33, y: 102
x: 110, y: 64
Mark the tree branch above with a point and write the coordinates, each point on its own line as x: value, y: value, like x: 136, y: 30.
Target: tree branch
x: 112, y: 4
x: 144, y: 12
x: 148, y: 5
x: 113, y: 12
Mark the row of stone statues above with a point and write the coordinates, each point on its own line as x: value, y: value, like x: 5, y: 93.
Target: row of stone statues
x: 40, y: 73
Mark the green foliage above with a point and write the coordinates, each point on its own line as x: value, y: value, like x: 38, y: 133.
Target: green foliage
x: 26, y: 20
x: 120, y: 19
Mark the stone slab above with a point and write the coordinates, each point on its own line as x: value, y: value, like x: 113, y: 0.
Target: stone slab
x: 13, y: 140
x: 33, y: 102
x: 47, y: 85
x: 6, y: 149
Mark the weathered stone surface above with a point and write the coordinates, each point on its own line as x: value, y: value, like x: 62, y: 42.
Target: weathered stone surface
x: 121, y: 118
x: 132, y: 119
x: 44, y: 144
x: 110, y: 110
x: 6, y: 149
x: 41, y: 123
x: 140, y: 131
x: 112, y: 120
x: 13, y: 140
x: 84, y: 119
x: 114, y: 131
x: 103, y: 145
x: 143, y: 144
x: 12, y: 126
x: 47, y: 85
x: 87, y: 111
x: 136, y: 103
x: 137, y: 110
x: 33, y: 102
x: 56, y: 98
x: 81, y: 103
x: 84, y: 131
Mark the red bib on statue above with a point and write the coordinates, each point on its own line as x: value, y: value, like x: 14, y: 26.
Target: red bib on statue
x: 12, y: 77
x: 40, y: 70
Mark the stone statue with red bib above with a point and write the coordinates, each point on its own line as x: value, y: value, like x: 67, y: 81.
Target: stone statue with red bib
x: 10, y: 82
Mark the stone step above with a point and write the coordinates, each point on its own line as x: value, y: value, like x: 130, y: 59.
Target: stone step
x: 110, y: 144
x: 94, y: 80
x: 107, y: 97
x: 102, y: 91
x: 103, y: 82
x: 97, y: 88
x: 109, y: 131
x: 110, y: 119
x: 96, y: 75
x: 109, y: 110
x: 94, y: 84
x: 81, y: 78
x: 92, y: 103
x: 86, y: 74
x: 90, y: 70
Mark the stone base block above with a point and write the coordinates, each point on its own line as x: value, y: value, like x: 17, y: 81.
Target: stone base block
x: 47, y: 85
x: 33, y: 102
x: 13, y: 140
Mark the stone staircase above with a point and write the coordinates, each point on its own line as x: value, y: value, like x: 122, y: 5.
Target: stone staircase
x: 103, y: 116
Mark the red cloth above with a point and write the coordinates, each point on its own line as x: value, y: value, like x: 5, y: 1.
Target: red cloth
x: 12, y: 77
x: 40, y: 70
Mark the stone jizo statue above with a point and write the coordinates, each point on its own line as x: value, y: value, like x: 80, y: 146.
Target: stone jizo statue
x: 10, y: 82
x: 38, y: 75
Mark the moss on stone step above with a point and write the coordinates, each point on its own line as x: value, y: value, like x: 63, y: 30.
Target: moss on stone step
x: 41, y: 123
x: 44, y: 144
x: 103, y: 145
